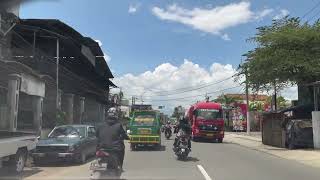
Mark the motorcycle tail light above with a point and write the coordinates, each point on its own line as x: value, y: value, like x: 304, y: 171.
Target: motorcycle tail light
x: 100, y: 153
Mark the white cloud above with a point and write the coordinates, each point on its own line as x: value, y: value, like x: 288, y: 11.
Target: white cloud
x: 282, y: 14
x: 225, y: 37
x: 167, y: 77
x: 99, y: 42
x: 133, y: 8
x: 290, y: 93
x: 264, y: 13
x: 107, y: 57
x: 211, y: 20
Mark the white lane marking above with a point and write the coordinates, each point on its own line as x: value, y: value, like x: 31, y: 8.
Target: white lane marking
x: 204, y: 173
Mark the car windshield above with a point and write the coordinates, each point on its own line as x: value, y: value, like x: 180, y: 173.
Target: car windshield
x: 208, y: 114
x: 144, y: 120
x: 68, y: 131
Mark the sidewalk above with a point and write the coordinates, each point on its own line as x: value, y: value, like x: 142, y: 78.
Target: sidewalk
x: 309, y: 157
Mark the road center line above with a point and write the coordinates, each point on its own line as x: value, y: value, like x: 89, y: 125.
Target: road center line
x: 203, y: 172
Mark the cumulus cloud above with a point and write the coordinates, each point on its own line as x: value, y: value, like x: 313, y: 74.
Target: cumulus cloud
x: 211, y: 19
x: 263, y: 13
x: 133, y: 8
x: 170, y: 85
x: 290, y: 93
x: 107, y: 57
x: 283, y: 13
x: 99, y: 42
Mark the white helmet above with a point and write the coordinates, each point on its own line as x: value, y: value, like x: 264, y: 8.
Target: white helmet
x: 112, y: 113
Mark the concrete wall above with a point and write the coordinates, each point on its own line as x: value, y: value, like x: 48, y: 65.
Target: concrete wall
x: 316, y: 128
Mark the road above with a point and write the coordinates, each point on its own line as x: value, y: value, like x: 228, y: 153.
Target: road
x: 207, y: 161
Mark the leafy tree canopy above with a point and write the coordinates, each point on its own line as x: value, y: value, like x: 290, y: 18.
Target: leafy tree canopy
x: 288, y: 52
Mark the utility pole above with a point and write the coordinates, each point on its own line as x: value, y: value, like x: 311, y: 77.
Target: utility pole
x: 57, y: 76
x: 275, y: 98
x: 247, y: 100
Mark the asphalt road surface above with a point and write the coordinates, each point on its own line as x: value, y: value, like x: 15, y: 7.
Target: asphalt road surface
x: 208, y: 161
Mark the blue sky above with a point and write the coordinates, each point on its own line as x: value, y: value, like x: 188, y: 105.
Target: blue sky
x: 140, y: 41
x: 170, y: 44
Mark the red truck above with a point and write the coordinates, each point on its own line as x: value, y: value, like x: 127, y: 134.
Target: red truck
x: 206, y: 121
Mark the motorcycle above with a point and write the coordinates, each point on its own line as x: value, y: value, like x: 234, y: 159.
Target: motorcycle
x: 106, y: 165
x: 181, y: 148
x: 162, y: 128
x: 168, y: 131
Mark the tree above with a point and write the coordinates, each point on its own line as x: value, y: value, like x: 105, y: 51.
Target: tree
x: 281, y: 102
x: 177, y: 112
x: 287, y: 53
x: 226, y: 100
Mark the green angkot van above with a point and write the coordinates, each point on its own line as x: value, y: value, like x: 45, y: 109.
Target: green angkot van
x: 144, y: 129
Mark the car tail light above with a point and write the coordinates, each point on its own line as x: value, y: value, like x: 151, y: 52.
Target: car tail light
x: 100, y: 153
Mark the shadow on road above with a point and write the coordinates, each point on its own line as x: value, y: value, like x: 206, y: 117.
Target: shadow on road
x: 192, y: 159
x: 208, y: 141
x: 162, y: 148
x: 6, y: 175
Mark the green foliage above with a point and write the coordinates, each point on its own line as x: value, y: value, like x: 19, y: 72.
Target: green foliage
x: 224, y: 99
x: 256, y: 106
x: 288, y: 52
x: 281, y: 102
x: 176, y: 112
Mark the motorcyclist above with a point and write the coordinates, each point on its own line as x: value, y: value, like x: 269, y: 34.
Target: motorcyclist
x: 112, y: 134
x: 183, y: 125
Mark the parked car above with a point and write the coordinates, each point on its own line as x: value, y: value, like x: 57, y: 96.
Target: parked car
x: 299, y: 134
x: 15, y: 147
x: 68, y: 142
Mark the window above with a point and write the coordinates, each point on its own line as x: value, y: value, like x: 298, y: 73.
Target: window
x: 91, y: 132
x: 144, y: 120
x: 208, y: 114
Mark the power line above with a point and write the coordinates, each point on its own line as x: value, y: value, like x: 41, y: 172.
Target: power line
x: 184, y: 91
x: 312, y: 9
x: 191, y: 88
x: 314, y: 16
x: 175, y: 99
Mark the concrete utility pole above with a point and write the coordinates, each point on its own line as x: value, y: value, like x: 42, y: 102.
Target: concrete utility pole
x: 57, y: 66
x: 57, y: 75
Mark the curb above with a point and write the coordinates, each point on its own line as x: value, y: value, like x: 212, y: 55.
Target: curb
x: 269, y: 153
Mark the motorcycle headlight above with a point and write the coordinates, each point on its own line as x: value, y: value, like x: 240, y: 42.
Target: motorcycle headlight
x: 128, y: 131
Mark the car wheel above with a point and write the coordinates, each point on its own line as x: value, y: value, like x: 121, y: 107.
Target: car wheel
x: 194, y: 139
x: 291, y: 145
x: 132, y: 147
x: 36, y: 161
x: 82, y: 158
x: 18, y: 161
